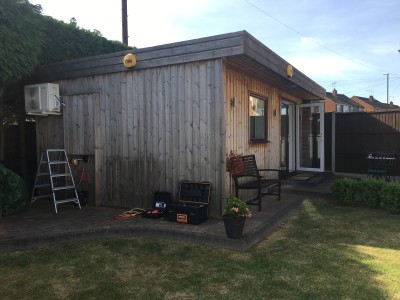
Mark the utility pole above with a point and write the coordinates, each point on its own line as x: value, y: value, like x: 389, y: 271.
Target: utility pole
x: 124, y: 22
x: 387, y: 89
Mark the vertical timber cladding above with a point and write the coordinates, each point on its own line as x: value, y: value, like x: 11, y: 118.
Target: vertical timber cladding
x: 79, y: 136
x: 49, y: 133
x: 239, y: 85
x: 78, y: 117
x: 157, y: 126
x: 74, y: 129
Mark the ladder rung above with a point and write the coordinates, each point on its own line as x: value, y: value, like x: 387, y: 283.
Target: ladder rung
x: 58, y: 162
x: 68, y: 187
x: 67, y: 178
x: 55, y: 150
x: 67, y: 200
x: 61, y: 175
x: 40, y: 197
x: 42, y: 185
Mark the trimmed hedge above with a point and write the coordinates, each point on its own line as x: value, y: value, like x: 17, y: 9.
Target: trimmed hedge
x: 345, y: 190
x: 391, y: 197
x: 368, y: 192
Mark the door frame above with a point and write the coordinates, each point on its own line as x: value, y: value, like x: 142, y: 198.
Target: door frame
x: 291, y: 166
x: 321, y: 138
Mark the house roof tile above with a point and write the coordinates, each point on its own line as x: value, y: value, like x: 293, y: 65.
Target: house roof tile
x: 342, y: 99
x: 376, y: 103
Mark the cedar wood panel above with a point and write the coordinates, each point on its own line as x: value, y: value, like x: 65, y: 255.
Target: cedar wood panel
x: 238, y: 85
x: 154, y: 127
x: 147, y: 130
x: 170, y: 117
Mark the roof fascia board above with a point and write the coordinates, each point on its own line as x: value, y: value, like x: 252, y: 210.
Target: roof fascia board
x: 182, y: 52
x: 257, y: 51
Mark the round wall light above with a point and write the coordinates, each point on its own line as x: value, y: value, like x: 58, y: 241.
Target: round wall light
x: 289, y: 71
x: 129, y: 60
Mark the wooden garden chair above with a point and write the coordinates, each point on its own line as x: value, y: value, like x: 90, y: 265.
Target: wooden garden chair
x: 249, y: 178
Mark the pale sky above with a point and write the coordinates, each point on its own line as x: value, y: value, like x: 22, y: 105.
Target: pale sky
x: 346, y: 44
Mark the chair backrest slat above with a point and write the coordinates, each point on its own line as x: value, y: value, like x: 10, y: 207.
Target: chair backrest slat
x: 249, y: 166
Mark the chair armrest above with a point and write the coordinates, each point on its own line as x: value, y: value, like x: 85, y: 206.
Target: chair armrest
x: 277, y: 170
x: 271, y: 170
x: 244, y: 175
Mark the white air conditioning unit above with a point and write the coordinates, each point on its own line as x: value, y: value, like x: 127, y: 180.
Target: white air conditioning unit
x: 42, y: 99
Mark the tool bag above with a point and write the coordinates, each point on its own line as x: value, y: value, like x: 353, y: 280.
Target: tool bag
x: 161, y: 202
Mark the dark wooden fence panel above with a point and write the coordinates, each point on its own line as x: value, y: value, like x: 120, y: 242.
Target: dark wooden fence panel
x: 328, y: 141
x: 358, y: 134
x: 13, y: 153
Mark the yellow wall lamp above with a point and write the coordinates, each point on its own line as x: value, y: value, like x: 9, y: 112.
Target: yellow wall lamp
x: 129, y: 60
x: 289, y: 71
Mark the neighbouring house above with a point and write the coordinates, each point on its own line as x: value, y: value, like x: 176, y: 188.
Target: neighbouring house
x: 177, y: 112
x: 335, y: 102
x: 372, y: 104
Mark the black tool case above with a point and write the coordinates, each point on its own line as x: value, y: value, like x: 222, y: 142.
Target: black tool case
x: 192, y: 204
x: 161, y: 203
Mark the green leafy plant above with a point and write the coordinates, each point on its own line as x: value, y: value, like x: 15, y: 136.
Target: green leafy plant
x: 14, y: 193
x: 391, y: 197
x: 345, y: 190
x: 236, y: 208
x: 369, y: 192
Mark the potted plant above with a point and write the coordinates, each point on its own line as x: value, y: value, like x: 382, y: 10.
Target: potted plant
x: 235, y: 214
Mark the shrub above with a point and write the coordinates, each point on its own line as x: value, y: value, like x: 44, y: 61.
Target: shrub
x: 369, y: 192
x: 345, y: 190
x: 391, y: 197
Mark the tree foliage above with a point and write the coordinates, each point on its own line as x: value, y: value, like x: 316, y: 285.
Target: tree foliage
x: 29, y: 39
x: 20, y: 37
x: 67, y: 41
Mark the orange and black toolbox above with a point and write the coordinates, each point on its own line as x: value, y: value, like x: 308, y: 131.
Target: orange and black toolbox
x: 192, y: 204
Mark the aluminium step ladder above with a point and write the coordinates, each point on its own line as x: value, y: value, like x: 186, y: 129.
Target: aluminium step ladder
x: 54, y: 177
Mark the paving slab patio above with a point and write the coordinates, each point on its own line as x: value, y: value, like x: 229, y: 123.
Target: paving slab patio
x: 40, y: 226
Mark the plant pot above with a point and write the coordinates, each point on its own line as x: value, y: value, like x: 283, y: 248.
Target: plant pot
x: 234, y: 227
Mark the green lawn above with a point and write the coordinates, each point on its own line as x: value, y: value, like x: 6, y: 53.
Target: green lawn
x: 323, y: 251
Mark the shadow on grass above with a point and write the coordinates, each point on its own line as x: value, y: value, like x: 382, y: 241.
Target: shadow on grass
x: 318, y: 254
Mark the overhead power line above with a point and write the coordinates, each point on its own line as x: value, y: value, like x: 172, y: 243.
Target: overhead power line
x: 356, y: 80
x: 370, y: 86
x: 311, y: 39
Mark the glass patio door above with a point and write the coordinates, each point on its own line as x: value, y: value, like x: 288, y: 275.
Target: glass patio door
x: 310, y: 137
